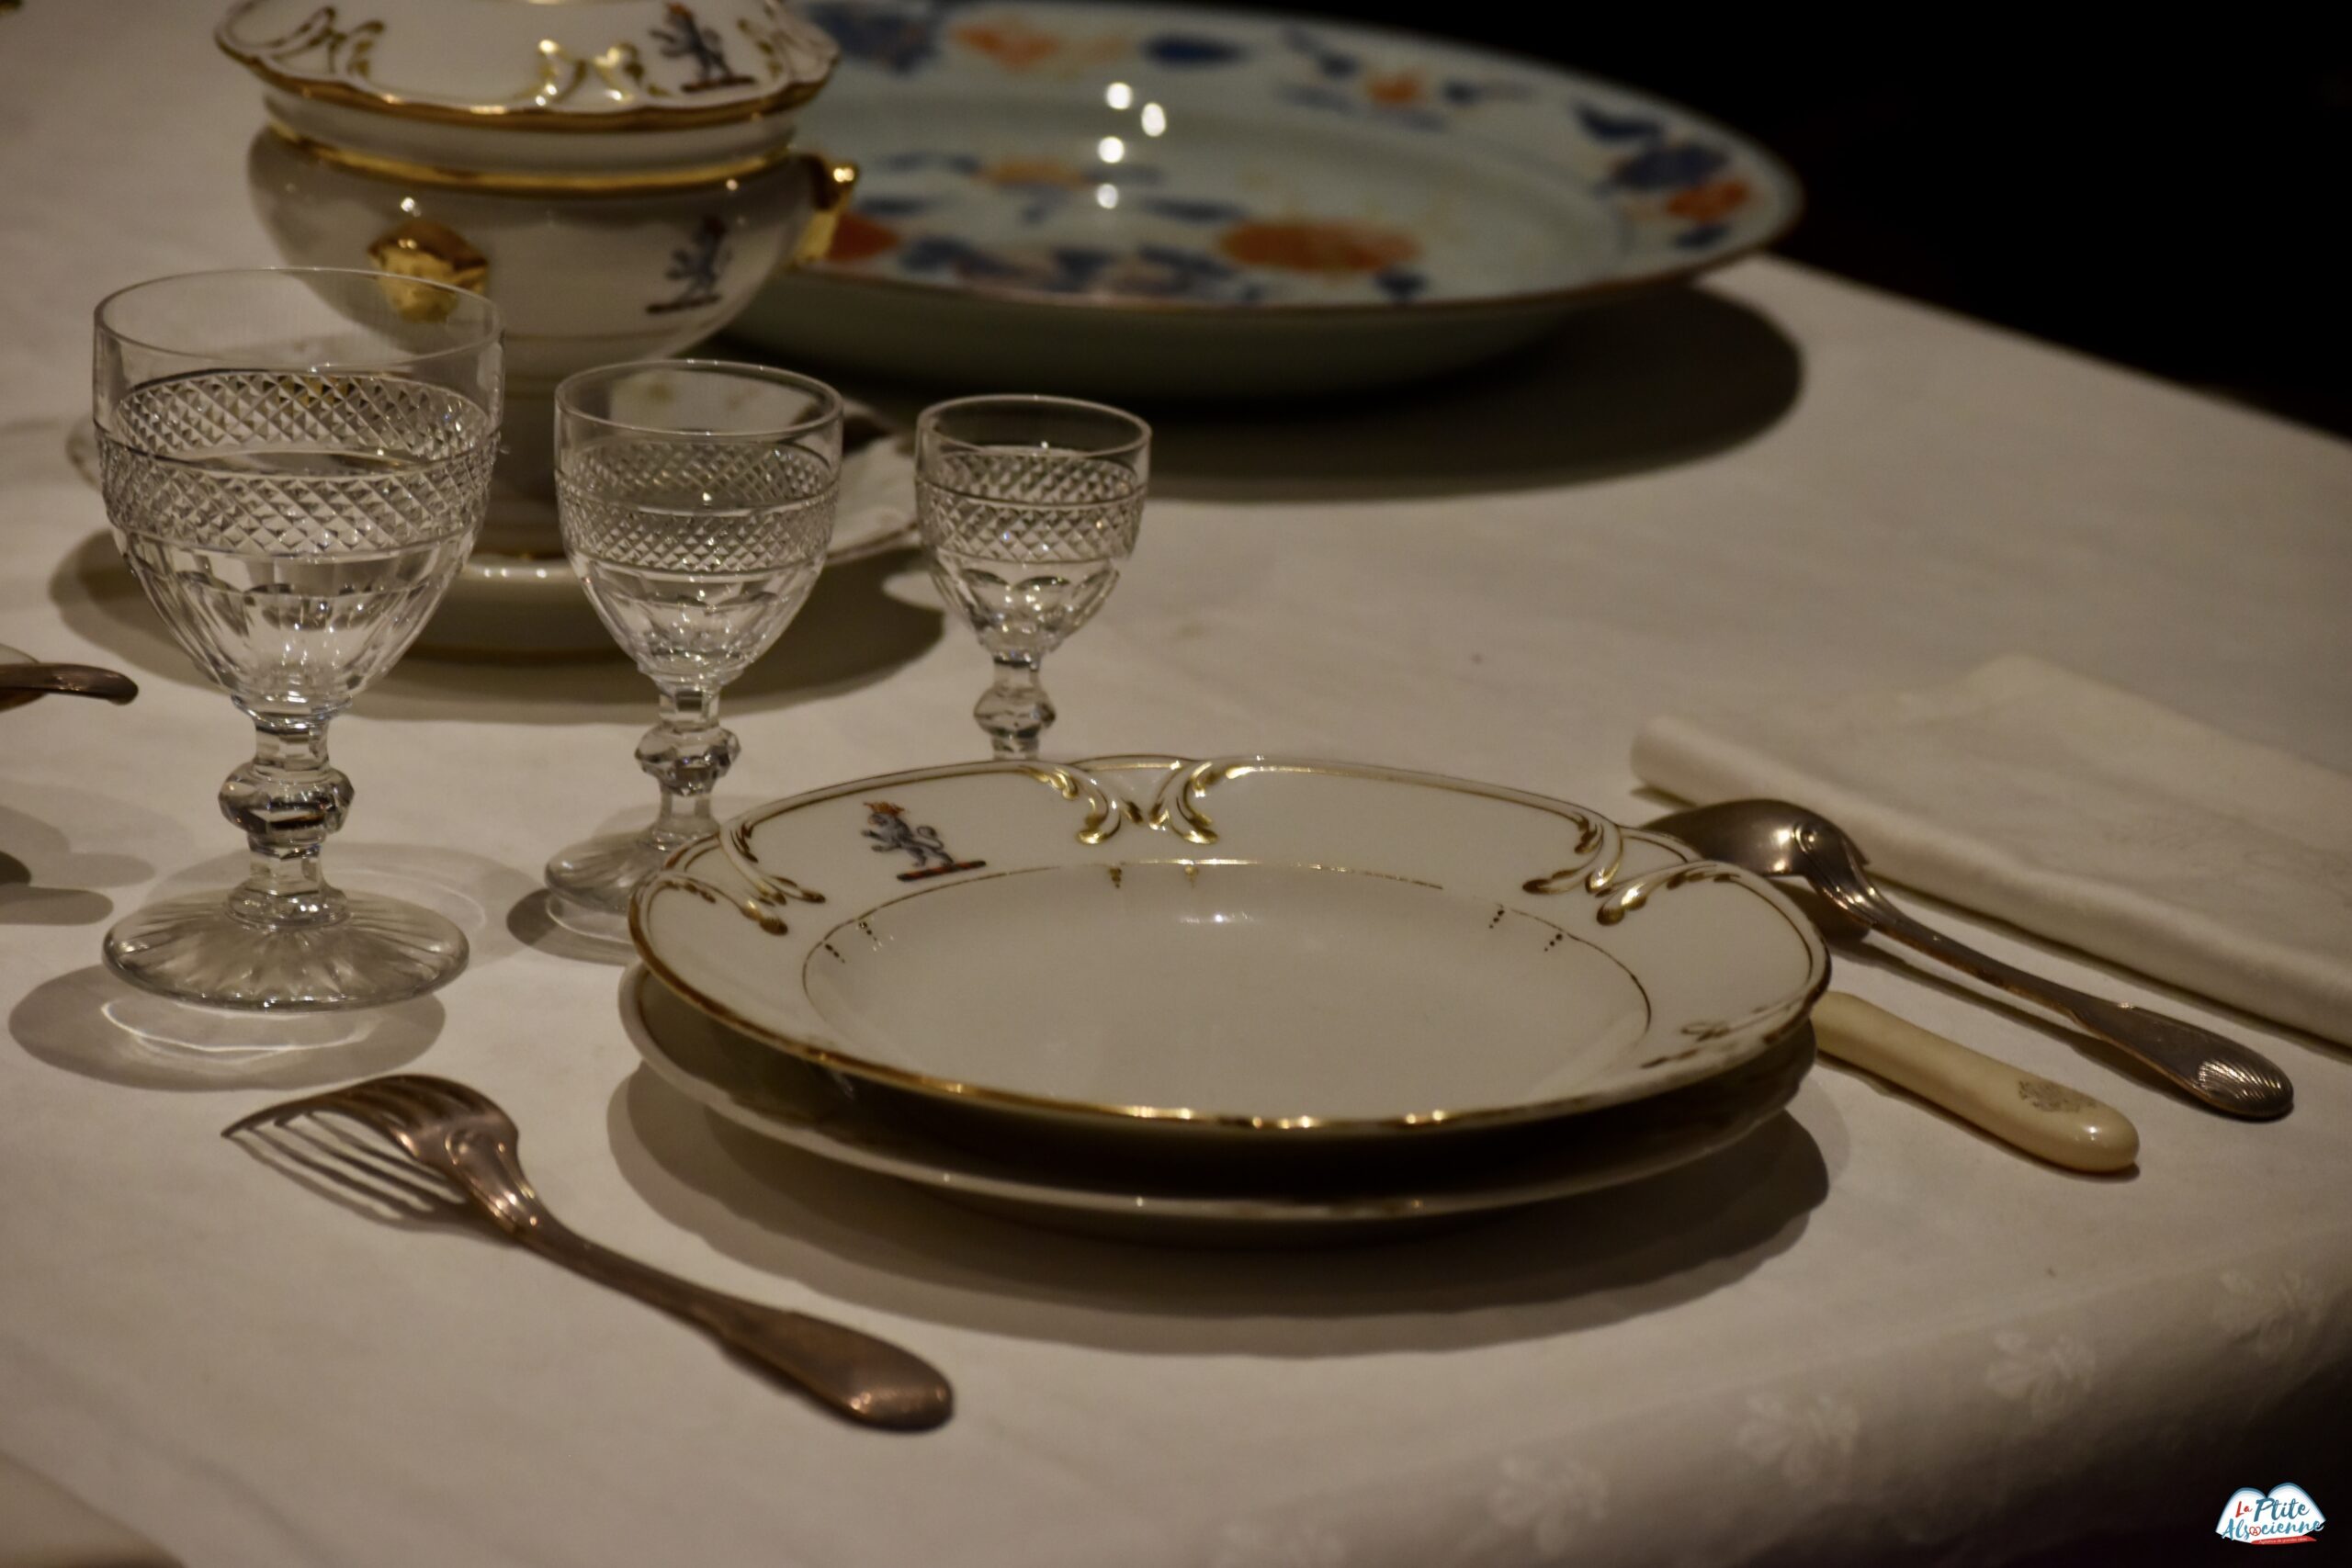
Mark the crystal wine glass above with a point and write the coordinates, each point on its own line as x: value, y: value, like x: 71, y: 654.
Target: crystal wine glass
x: 696, y: 499
x: 1029, y: 507
x: 294, y: 462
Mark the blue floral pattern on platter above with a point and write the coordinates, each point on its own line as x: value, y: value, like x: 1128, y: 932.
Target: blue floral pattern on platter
x: 1156, y: 209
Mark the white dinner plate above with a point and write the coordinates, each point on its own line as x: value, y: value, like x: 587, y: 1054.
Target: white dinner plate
x: 1322, y: 951
x: 1138, y: 200
x: 1242, y: 1201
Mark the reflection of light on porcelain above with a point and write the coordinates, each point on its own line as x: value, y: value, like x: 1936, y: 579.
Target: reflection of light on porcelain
x: 1106, y: 196
x: 1111, y: 150
x: 1118, y: 94
x: 1155, y: 121
x: 734, y: 184
x: 408, y: 204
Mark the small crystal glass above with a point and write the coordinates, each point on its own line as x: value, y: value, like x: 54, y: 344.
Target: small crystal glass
x: 1029, y: 507
x: 296, y: 463
x: 696, y: 499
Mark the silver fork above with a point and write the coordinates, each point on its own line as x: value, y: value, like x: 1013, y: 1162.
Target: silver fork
x: 462, y: 1137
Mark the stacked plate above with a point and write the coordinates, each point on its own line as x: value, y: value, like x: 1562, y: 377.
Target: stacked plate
x: 1243, y: 999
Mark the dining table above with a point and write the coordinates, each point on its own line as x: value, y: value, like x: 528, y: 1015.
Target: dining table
x: 1865, y: 1333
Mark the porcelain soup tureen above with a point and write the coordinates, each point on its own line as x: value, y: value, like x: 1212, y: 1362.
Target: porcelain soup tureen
x: 618, y: 174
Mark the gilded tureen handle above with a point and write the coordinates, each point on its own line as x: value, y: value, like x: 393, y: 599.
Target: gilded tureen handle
x: 435, y: 252
x: 831, y: 181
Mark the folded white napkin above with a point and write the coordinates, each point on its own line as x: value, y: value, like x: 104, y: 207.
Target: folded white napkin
x: 2077, y: 811
x: 42, y: 1526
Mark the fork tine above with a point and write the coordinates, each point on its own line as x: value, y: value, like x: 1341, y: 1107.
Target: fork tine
x: 284, y: 1110
x: 366, y: 1141
x: 393, y: 1106
x: 424, y: 1085
x: 464, y: 1095
x: 381, y: 1168
x: 454, y: 1095
x: 398, y: 1096
x: 310, y: 1161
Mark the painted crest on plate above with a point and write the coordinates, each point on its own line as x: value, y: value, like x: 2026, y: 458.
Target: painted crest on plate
x: 893, y: 834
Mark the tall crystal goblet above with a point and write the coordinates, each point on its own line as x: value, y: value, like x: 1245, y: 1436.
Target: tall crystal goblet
x: 1029, y: 506
x: 696, y: 499
x: 294, y: 462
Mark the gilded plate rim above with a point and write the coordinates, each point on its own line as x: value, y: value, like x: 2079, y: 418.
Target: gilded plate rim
x: 1430, y: 1123
x: 1172, y: 1204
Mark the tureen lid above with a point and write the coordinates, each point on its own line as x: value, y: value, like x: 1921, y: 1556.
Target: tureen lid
x: 537, y: 64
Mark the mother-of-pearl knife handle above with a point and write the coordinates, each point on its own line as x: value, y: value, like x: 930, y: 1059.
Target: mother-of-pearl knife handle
x: 2045, y: 1119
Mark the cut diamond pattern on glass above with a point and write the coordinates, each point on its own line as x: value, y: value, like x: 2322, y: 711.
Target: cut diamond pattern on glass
x: 260, y: 463
x: 697, y: 506
x: 1026, y: 505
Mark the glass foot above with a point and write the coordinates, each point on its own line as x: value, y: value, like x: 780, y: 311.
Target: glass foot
x: 194, y: 949
x: 589, y: 885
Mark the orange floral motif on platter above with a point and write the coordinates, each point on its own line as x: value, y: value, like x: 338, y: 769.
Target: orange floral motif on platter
x: 1305, y: 245
x: 1017, y: 45
x: 1036, y: 172
x: 1705, y: 203
x: 859, y: 238
x: 1396, y: 89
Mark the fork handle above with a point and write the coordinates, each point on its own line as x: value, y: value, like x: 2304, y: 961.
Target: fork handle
x: 2220, y: 1073
x: 864, y: 1378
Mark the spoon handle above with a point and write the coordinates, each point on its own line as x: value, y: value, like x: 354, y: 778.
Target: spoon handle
x: 2220, y: 1073
x: 68, y: 679
x: 866, y: 1379
x: 2045, y: 1118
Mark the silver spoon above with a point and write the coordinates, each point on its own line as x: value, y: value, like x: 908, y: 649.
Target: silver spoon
x: 460, y: 1136
x: 1773, y: 838
x: 67, y: 680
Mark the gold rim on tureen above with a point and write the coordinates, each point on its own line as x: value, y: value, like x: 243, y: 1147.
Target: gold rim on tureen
x: 556, y: 75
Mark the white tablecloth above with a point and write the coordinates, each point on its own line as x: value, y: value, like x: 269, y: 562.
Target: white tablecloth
x: 1866, y: 1333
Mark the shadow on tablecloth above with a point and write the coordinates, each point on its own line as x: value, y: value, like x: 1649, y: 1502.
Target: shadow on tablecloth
x: 91, y: 1023
x: 88, y: 1022
x: 856, y: 629
x: 47, y: 878
x: 1621, y: 388
x: 1560, y: 1267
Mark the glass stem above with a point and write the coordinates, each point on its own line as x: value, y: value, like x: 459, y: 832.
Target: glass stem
x: 687, y: 753
x: 287, y: 800
x: 1015, y: 710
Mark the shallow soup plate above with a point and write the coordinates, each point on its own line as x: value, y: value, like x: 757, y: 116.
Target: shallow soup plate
x: 1244, y: 948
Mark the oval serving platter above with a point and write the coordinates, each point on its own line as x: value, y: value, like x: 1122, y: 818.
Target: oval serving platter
x: 1166, y: 200
x: 1233, y: 948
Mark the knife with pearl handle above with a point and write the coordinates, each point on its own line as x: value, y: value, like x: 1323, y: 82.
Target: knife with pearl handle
x: 2045, y: 1118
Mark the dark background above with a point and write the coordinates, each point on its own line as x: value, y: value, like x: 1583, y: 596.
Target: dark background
x: 2172, y: 198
